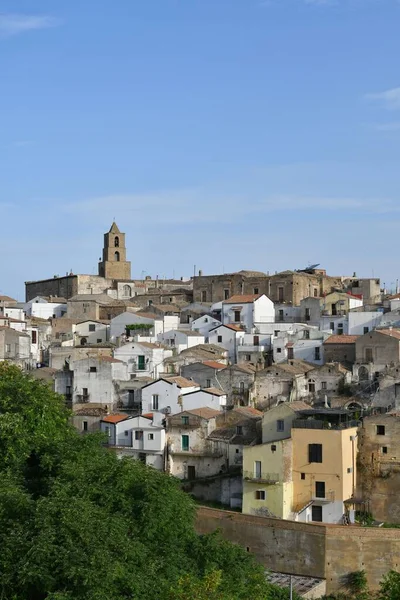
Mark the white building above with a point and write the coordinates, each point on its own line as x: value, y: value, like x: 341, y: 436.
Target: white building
x: 181, y: 339
x: 338, y: 325
x: 229, y: 337
x: 306, y: 345
x: 46, y: 307
x: 119, y: 324
x: 363, y: 322
x: 166, y: 394
x: 144, y: 359
x: 204, y: 324
x: 93, y: 380
x: 137, y: 437
x: 90, y: 332
x: 248, y: 311
x: 208, y: 397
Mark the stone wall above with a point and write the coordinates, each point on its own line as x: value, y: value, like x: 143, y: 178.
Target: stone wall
x: 62, y: 287
x: 330, y: 552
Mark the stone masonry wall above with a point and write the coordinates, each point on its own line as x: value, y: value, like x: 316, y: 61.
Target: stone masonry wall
x: 326, y: 551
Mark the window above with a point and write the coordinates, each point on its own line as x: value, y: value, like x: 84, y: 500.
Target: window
x: 316, y: 514
x: 340, y: 329
x: 320, y: 489
x: 259, y: 494
x: 204, y: 296
x: 276, y: 332
x: 34, y: 337
x: 239, y: 430
x: 369, y: 355
x: 256, y: 340
x: 141, y: 363
x: 85, y: 425
x: 306, y: 334
x: 302, y: 476
x: 237, y: 316
x: 226, y: 294
x: 332, y: 326
x: 290, y: 353
x: 384, y: 449
x: 185, y: 443
x: 366, y: 329
x: 315, y: 292
x: 241, y: 387
x: 279, y: 350
x: 248, y: 357
x: 380, y: 430
x: 315, y: 453
x: 85, y: 392
x: 150, y: 436
x: 116, y: 256
x: 8, y: 347
x: 255, y: 291
x: 154, y: 402
x: 191, y: 473
x: 280, y: 425
x: 139, y: 435
x: 219, y: 338
x: 185, y: 420
x: 311, y: 386
x: 317, y: 353
x: 92, y: 327
x: 257, y: 469
x: 83, y: 341
x: 116, y: 241
x: 93, y: 369
x: 127, y: 290
x: 281, y: 315
x: 206, y: 320
x: 349, y: 469
x: 280, y: 294
x: 308, y: 315
x: 126, y: 433
x: 323, y: 385
x: 208, y: 383
x: 99, y: 340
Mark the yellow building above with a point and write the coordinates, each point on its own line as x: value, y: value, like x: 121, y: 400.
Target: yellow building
x: 305, y: 469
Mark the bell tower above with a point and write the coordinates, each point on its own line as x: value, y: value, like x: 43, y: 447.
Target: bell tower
x: 114, y: 264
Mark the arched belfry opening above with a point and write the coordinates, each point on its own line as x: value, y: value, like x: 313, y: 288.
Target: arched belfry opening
x: 116, y: 241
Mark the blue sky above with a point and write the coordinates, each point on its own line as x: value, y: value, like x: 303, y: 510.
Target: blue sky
x: 230, y: 134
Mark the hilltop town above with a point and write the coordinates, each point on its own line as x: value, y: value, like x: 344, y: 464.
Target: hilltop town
x: 276, y: 395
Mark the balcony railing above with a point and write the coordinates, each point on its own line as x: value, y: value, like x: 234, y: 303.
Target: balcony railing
x: 82, y: 398
x: 319, y: 424
x: 262, y: 477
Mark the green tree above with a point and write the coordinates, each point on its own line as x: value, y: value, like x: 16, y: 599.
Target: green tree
x: 77, y: 523
x: 390, y: 586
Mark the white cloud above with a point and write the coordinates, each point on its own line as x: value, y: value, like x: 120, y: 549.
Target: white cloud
x: 389, y: 99
x: 393, y: 126
x: 13, y: 24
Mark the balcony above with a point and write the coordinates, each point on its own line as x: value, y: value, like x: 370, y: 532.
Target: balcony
x: 207, y: 452
x: 269, y: 478
x: 319, y: 424
x: 82, y: 398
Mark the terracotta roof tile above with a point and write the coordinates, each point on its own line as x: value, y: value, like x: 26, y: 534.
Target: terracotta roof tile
x: 181, y: 382
x: 204, y: 413
x: 242, y: 299
x: 115, y: 418
x: 213, y: 364
x: 341, y: 339
x: 234, y: 327
x: 390, y: 332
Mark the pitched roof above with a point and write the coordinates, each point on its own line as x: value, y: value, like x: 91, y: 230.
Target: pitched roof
x: 242, y: 299
x: 390, y: 332
x: 181, y: 382
x: 297, y: 405
x: 6, y: 299
x: 118, y: 418
x: 204, y: 413
x: 341, y: 339
x: 145, y: 315
x: 108, y: 359
x: 248, y: 411
x: 213, y: 364
x: 114, y: 228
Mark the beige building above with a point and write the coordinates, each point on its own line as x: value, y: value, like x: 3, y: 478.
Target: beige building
x: 379, y: 348
x: 305, y: 469
x: 340, y: 348
x: 380, y: 466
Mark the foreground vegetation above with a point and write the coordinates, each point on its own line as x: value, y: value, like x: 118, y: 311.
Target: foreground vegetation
x: 76, y: 523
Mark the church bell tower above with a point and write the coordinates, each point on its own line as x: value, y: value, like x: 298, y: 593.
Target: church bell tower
x: 114, y: 264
